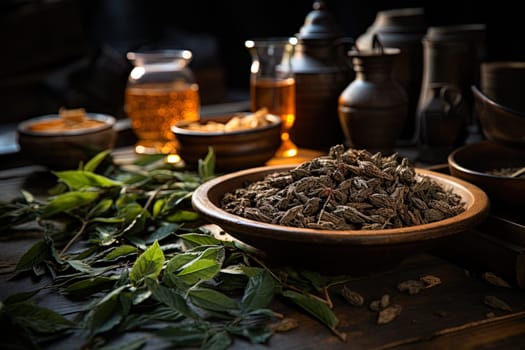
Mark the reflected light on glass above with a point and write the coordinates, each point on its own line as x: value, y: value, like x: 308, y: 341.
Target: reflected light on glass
x: 137, y: 72
x: 173, y: 158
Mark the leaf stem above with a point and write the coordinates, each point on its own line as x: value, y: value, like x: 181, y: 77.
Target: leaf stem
x: 75, y: 238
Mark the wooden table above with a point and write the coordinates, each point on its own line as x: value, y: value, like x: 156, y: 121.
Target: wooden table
x: 449, y: 315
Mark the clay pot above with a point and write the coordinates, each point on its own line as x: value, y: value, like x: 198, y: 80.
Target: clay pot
x: 373, y: 108
x: 404, y: 29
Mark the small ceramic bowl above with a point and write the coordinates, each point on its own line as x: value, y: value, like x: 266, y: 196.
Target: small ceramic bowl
x: 499, y: 123
x: 477, y: 162
x: 63, y: 147
x: 234, y: 150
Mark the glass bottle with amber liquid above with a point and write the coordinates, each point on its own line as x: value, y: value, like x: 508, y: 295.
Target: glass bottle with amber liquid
x: 160, y: 92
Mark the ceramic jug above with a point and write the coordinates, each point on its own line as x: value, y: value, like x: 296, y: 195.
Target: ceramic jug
x: 453, y: 55
x: 441, y: 125
x: 373, y: 108
x: 322, y: 70
x: 404, y: 29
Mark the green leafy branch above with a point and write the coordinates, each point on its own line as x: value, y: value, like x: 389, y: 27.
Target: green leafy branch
x: 124, y: 244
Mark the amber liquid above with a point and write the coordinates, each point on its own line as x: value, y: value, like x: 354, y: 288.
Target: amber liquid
x: 279, y: 97
x: 154, y: 108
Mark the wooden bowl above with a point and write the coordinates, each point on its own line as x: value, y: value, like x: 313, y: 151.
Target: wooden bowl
x: 65, y: 149
x: 473, y: 162
x: 336, y: 251
x: 234, y: 150
x: 499, y: 123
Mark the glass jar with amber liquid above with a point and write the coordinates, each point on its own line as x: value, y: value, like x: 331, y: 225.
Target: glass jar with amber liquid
x: 272, y: 84
x: 160, y: 92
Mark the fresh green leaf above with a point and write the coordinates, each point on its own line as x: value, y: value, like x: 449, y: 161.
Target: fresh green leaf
x: 107, y: 313
x: 162, y: 232
x: 213, y: 300
x: 119, y: 252
x: 90, y: 285
x: 148, y: 159
x: 183, y: 335
x: 259, y: 291
x: 79, y: 179
x: 37, y: 318
x: 196, y: 239
x: 40, y: 251
x: 182, y: 215
x: 206, y: 167
x: 100, y: 208
x: 148, y: 264
x: 171, y: 298
x: 69, y: 201
x: 199, y: 270
x: 218, y: 341
x: 94, y: 162
x: 314, y: 306
x: 256, y: 335
x: 158, y: 207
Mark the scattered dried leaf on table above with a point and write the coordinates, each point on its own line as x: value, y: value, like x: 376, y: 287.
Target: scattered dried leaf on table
x: 384, y: 301
x: 285, y: 325
x: 353, y: 298
x: 430, y: 280
x: 389, y: 314
x: 496, y: 303
x: 495, y: 280
x: 375, y: 305
x: 411, y: 286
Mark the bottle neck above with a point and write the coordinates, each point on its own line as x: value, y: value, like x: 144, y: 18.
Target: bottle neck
x: 373, y: 68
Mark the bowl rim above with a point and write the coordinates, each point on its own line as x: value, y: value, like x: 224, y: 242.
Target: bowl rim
x: 179, y: 128
x: 109, y: 123
x: 477, y: 92
x: 452, y: 161
x: 475, y: 213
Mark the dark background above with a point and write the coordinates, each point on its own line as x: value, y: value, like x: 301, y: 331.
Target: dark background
x: 72, y: 52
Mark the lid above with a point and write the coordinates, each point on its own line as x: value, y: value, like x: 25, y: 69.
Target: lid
x: 377, y: 50
x: 401, y: 20
x: 319, y: 24
x: 456, y: 32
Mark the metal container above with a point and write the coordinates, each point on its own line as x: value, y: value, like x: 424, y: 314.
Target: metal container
x: 322, y: 70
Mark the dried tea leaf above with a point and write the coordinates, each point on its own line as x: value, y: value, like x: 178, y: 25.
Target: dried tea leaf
x: 375, y: 305
x: 285, y: 325
x: 430, y: 280
x: 411, y: 286
x: 338, y: 182
x: 389, y: 314
x: 353, y: 298
x: 496, y: 303
x: 385, y: 301
x: 495, y: 280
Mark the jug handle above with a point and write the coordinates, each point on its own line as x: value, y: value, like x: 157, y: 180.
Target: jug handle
x: 452, y: 95
x: 376, y: 44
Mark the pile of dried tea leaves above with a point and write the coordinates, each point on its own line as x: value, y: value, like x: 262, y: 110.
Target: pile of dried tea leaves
x: 346, y: 190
